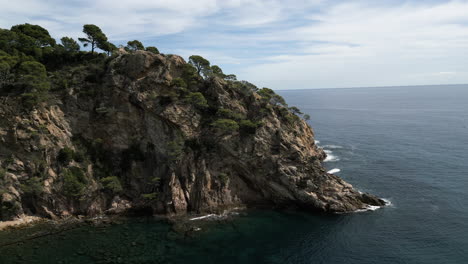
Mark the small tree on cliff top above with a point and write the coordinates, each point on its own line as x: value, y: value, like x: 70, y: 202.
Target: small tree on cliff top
x: 201, y: 64
x: 152, y: 49
x: 107, y: 47
x: 70, y: 45
x: 94, y: 38
x: 135, y: 45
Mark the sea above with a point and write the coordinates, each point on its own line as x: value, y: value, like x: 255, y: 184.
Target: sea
x: 408, y: 145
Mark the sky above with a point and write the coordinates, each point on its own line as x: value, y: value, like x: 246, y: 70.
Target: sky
x: 294, y: 44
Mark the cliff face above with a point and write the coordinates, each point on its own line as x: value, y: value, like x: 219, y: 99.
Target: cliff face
x: 131, y: 138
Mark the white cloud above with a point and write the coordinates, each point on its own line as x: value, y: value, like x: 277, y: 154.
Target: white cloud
x: 363, y: 45
x: 139, y: 18
x: 293, y: 44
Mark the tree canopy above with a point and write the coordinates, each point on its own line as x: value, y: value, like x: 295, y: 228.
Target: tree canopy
x: 135, y: 45
x: 28, y: 51
x: 217, y: 71
x: 230, y: 77
x: 295, y: 110
x: 38, y: 33
x: 268, y: 95
x: 19, y: 44
x: 95, y: 37
x: 4, y: 73
x: 33, y: 81
x: 201, y: 64
x: 70, y: 45
x: 152, y: 49
x: 107, y: 47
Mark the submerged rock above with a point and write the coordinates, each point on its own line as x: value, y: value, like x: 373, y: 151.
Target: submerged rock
x: 146, y: 138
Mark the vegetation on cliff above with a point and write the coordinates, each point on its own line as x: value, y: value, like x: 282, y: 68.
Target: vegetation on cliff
x: 85, y: 132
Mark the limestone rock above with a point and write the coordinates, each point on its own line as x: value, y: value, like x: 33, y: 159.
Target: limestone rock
x: 137, y: 143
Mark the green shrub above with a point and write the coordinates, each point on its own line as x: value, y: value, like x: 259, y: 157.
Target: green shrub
x: 2, y: 173
x: 33, y: 99
x: 33, y: 186
x: 248, y: 126
x: 278, y: 100
x: 10, y: 60
x: 95, y: 72
x: 152, y: 49
x: 8, y: 161
x: 215, y: 70
x: 33, y: 81
x: 65, y: 155
x: 266, y: 94
x: 149, y: 196
x: 156, y: 180
x: 43, y: 129
x: 292, y: 119
x: 295, y: 110
x: 175, y: 149
x: 178, y: 82
x: 112, y: 184
x: 230, y: 77
x: 74, y: 182
x: 197, y: 99
x: 226, y: 125
x: 5, y: 75
x: 269, y: 96
x: 78, y: 156
x: 9, y: 209
x: 33, y: 68
x: 243, y: 87
x: 223, y: 178
x: 190, y: 75
x: 229, y: 114
x: 265, y: 111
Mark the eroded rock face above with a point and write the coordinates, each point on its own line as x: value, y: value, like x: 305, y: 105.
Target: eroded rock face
x: 136, y: 142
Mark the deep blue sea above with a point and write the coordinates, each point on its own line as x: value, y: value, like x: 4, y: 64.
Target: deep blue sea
x: 406, y: 144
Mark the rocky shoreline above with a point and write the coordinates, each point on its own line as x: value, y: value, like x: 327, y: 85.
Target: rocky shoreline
x: 180, y: 223
x: 22, y: 221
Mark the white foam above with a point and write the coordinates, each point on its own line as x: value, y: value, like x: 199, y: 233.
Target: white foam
x: 203, y: 217
x: 330, y: 157
x: 387, y: 202
x: 369, y: 208
x: 316, y: 142
x: 375, y: 207
x: 224, y: 215
x: 333, y: 146
x: 335, y: 170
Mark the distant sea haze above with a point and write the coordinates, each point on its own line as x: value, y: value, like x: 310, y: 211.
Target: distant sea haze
x: 443, y: 86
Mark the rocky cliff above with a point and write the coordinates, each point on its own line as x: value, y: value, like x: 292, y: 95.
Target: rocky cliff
x: 140, y: 134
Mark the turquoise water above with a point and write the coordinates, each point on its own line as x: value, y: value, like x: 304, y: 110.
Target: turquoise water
x: 406, y: 144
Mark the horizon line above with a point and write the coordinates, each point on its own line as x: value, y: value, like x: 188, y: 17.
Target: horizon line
x: 361, y: 87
